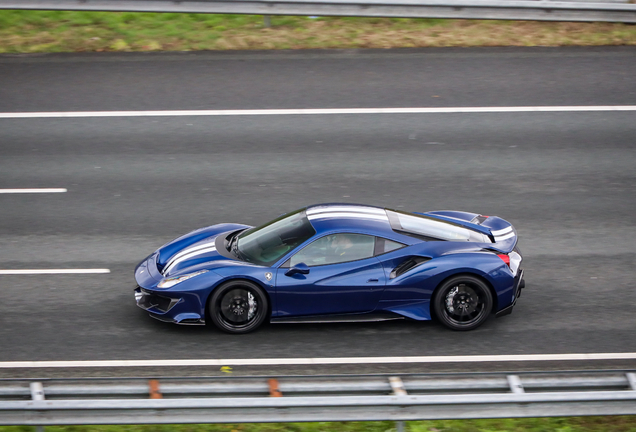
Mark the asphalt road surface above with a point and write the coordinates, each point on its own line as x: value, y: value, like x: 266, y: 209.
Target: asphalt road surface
x: 566, y: 181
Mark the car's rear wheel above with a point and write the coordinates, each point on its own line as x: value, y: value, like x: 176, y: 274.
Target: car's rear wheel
x: 238, y: 307
x: 463, y: 303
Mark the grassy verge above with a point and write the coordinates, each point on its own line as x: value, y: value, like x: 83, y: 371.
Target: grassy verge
x: 61, y: 31
x: 558, y: 424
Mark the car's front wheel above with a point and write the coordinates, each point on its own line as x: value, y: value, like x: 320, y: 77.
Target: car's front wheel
x: 462, y: 303
x: 238, y: 306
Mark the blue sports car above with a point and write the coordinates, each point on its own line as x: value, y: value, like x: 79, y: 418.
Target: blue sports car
x: 336, y: 262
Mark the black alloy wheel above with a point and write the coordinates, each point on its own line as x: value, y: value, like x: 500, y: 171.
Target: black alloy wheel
x: 238, y: 307
x: 463, y: 303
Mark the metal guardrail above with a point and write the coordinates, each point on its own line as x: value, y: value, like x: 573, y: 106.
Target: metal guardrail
x: 545, y: 10
x: 320, y: 398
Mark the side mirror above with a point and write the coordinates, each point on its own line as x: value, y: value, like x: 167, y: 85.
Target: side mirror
x: 300, y: 268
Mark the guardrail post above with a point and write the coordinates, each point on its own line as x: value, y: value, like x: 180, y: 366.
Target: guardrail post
x: 37, y: 394
x: 398, y: 389
x: 274, y: 391
x: 153, y: 389
x: 631, y: 379
x: 515, y: 384
x: 267, y: 21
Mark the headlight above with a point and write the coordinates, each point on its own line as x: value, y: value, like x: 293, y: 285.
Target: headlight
x: 170, y: 282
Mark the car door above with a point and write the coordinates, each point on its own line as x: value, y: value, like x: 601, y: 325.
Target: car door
x: 342, y: 276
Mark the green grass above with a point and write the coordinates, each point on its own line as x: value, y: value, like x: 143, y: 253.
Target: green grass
x: 65, y: 31
x: 557, y: 424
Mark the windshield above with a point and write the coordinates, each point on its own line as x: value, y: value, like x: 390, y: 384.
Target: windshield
x: 267, y: 243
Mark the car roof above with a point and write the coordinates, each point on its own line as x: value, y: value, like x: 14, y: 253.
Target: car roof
x: 349, y: 217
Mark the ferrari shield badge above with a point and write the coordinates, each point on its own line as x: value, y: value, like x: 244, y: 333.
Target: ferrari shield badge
x: 268, y: 276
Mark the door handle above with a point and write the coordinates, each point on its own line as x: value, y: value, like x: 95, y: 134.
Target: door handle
x: 373, y: 280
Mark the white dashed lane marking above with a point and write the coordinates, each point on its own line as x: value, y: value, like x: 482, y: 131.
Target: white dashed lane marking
x: 31, y: 191
x: 53, y: 271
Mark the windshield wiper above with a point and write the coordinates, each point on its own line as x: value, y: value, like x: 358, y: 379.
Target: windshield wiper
x: 233, y: 248
x: 230, y: 243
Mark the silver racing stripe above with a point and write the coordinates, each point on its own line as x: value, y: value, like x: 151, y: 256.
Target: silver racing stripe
x: 346, y: 209
x: 187, y: 251
x: 504, y: 237
x: 348, y: 215
x: 174, y: 262
x: 501, y: 231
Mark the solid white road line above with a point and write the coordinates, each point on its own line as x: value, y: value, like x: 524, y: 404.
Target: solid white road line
x: 319, y: 111
x: 318, y: 361
x: 39, y: 190
x: 53, y: 271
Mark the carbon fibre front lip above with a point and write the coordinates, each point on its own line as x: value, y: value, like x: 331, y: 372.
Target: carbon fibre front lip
x: 190, y: 321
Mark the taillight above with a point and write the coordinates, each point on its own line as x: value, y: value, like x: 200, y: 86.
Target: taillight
x: 505, y: 258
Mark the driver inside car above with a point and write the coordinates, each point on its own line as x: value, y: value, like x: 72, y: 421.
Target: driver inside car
x: 340, y: 246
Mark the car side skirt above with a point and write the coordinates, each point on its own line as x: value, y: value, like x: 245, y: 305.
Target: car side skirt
x: 318, y: 319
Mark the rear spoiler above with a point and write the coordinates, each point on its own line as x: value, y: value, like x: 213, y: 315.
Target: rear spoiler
x: 502, y: 233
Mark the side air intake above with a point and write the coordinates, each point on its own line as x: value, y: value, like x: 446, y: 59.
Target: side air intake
x: 407, y: 265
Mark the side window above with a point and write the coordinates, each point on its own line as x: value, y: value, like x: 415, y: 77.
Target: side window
x: 337, y: 248
x: 383, y: 245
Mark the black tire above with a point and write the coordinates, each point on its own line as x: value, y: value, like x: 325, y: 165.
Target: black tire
x: 462, y: 303
x: 238, y: 307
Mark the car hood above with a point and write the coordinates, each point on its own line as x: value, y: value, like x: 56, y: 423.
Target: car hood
x: 195, y: 248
